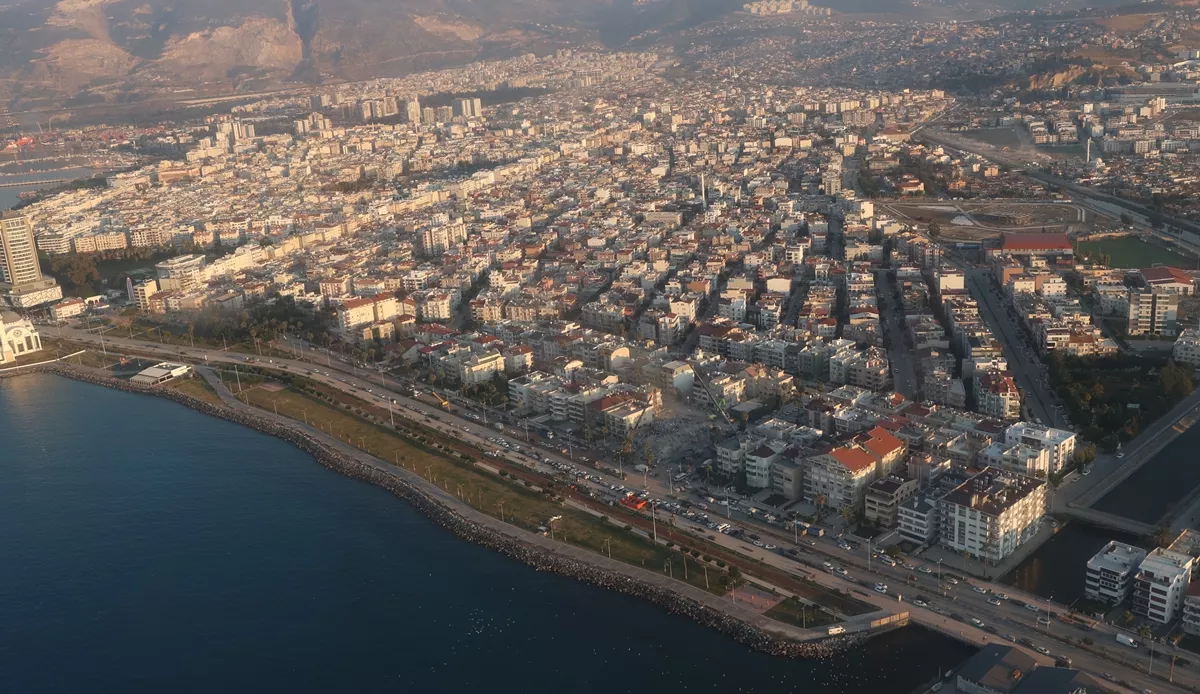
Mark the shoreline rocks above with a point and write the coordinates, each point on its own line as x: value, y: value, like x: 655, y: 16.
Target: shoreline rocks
x: 538, y: 558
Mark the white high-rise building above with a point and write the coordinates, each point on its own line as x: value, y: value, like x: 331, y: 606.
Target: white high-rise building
x: 18, y: 250
x: 21, y: 280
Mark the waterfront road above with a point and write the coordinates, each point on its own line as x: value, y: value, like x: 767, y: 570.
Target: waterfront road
x: 445, y: 497
x: 1007, y: 618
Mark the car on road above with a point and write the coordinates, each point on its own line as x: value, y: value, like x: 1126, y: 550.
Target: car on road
x: 881, y: 588
x: 1031, y: 607
x: 1043, y: 650
x: 828, y: 566
x: 925, y: 570
x: 994, y: 601
x: 920, y: 603
x: 1009, y: 637
x: 842, y: 570
x: 1044, y: 621
x: 1024, y: 641
x: 952, y: 580
x: 758, y: 543
x: 844, y: 545
x: 772, y: 547
x: 1120, y: 455
x: 1108, y: 676
x: 976, y: 621
x: 1002, y: 596
x: 980, y: 590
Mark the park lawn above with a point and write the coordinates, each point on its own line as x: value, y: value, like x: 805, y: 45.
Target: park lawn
x: 197, y: 388
x: 523, y: 507
x: 1132, y: 252
x: 793, y: 611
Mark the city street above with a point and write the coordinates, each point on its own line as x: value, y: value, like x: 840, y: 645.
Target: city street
x: 904, y: 378
x: 1027, y: 369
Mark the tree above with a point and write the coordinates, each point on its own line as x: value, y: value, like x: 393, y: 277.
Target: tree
x: 935, y: 230
x: 1176, y: 381
x: 1127, y: 616
x: 1144, y: 632
x: 734, y: 573
x: 1085, y: 454
x: 1126, y: 219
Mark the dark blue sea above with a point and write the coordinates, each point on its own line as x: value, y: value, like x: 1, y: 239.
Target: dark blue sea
x: 146, y: 547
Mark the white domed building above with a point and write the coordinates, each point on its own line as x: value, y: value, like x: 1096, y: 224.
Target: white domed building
x: 18, y: 337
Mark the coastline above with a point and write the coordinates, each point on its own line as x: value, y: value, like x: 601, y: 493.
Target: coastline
x: 477, y: 533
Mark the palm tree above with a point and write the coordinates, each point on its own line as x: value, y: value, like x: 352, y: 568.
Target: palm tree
x: 1128, y: 617
x: 821, y: 501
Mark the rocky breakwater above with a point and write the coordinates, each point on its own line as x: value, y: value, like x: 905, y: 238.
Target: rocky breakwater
x: 482, y: 534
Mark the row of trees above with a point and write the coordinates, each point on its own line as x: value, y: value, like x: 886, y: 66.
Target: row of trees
x: 265, y: 322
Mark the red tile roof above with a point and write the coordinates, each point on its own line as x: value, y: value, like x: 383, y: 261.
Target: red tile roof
x: 854, y: 459
x: 1164, y: 275
x: 1035, y: 242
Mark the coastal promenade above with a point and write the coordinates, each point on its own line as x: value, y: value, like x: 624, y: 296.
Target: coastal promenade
x: 447, y: 499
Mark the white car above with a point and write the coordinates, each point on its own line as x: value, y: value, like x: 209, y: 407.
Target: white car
x: 994, y: 601
x: 1031, y: 607
x: 925, y: 570
x: 981, y: 591
x: 977, y: 622
x: 881, y: 588
x: 920, y: 603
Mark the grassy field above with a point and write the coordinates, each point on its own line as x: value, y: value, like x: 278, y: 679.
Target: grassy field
x: 796, y: 613
x: 1132, y: 252
x: 485, y: 491
x: 197, y: 388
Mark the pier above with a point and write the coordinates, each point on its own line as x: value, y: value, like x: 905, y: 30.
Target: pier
x: 33, y: 184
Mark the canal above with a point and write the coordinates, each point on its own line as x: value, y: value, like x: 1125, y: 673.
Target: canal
x: 1057, y: 569
x: 1160, y: 484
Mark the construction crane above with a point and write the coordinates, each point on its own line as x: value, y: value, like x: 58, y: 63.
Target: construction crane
x: 719, y: 403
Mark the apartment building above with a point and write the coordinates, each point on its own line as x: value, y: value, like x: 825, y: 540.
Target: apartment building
x: 996, y: 395
x: 183, y: 272
x: 1058, y: 443
x: 142, y: 291
x: 917, y: 519
x: 1161, y: 584
x: 1019, y: 457
x: 1110, y: 572
x: 991, y: 514
x: 358, y: 313
x: 1191, y: 610
x: 1152, y: 312
x: 1187, y: 347
x: 884, y: 498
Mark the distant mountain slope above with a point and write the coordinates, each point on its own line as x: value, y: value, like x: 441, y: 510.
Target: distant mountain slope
x: 105, y: 48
